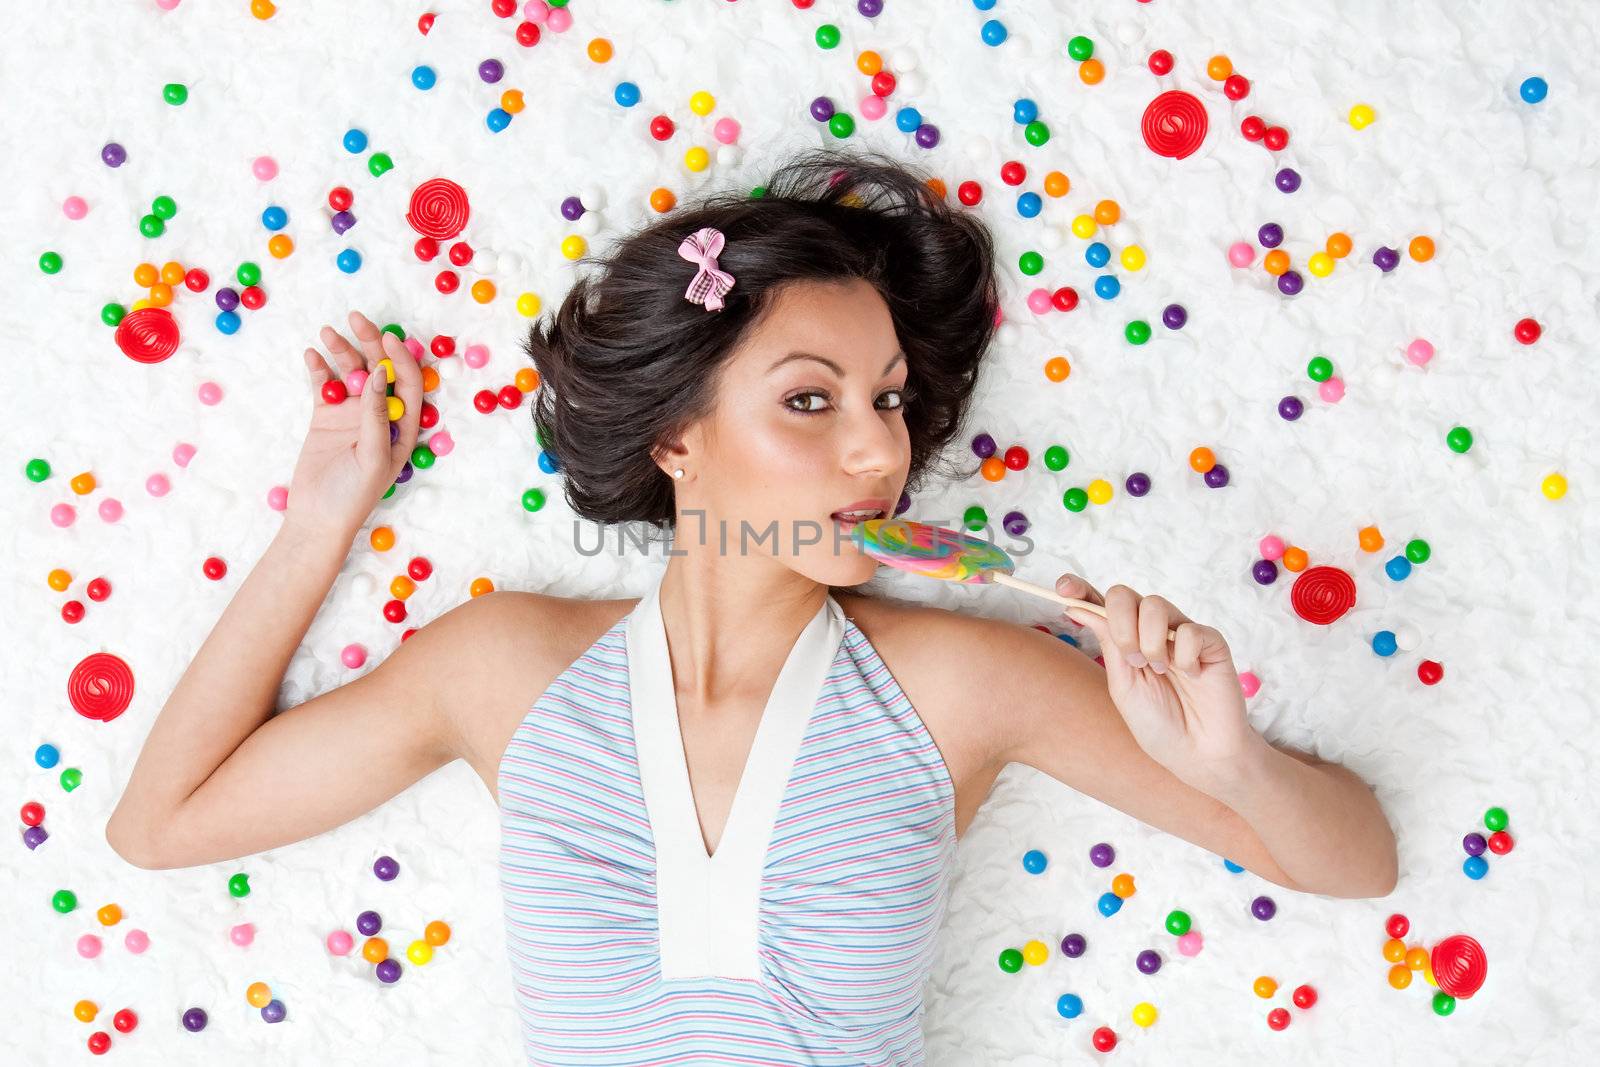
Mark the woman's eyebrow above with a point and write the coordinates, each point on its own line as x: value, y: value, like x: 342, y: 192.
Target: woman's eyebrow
x: 830, y: 364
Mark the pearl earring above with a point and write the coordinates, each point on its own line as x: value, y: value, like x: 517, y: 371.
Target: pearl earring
x: 678, y: 473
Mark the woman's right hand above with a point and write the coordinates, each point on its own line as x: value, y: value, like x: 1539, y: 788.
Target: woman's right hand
x: 347, y: 461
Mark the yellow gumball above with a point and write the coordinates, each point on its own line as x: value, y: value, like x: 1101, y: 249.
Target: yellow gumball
x: 697, y: 159
x: 528, y: 304
x: 396, y: 407
x: 702, y: 103
x: 1034, y: 953
x: 1099, y: 491
x: 1362, y: 116
x: 141, y: 304
x: 1554, y: 486
x: 388, y: 370
x: 1083, y: 226
x: 259, y: 994
x: 574, y: 247
x: 1320, y: 264
x: 1144, y: 1014
x: 1133, y: 258
x: 419, y: 952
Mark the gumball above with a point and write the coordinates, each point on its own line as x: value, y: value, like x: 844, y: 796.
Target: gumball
x: 1430, y: 672
x: 340, y: 943
x: 1105, y: 1039
x: 1419, y: 352
x: 99, y: 1042
x: 273, y: 1011
x: 1073, y: 945
x: 1421, y: 248
x: 1474, y: 844
x: 1109, y: 904
x: 1527, y: 331
x: 1148, y: 962
x: 194, y: 1020
x: 1500, y: 843
x: 1265, y: 988
x: 1496, y: 819
x: 1276, y: 138
x: 1278, y: 1018
x: 1218, y: 68
x: 1160, y: 62
x: 1034, y: 953
x: 1122, y: 886
x: 1475, y: 867
x: 1190, y: 943
x: 243, y: 934
x: 136, y: 941
x: 436, y: 933
x: 1399, y: 976
x: 239, y: 886
x: 1178, y: 923
x: 1362, y: 116
x: 1069, y: 1006
x: 1236, y: 87
x: 1443, y: 1003
x: 1263, y: 908
x: 1144, y: 1014
x: 85, y: 1011
x: 1010, y: 960
x: 1397, y: 926
x: 125, y: 1020
x: 89, y: 946
x: 1033, y: 861
x: 1241, y: 254
x: 1554, y: 486
x: 1253, y: 128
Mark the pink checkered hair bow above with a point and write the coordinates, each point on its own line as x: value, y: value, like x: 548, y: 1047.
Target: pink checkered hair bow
x: 710, y: 284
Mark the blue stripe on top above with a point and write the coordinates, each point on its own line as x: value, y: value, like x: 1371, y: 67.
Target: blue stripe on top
x: 853, y: 887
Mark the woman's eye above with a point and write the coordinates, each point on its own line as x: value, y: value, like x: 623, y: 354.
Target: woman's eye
x: 899, y: 398
x: 896, y: 399
x: 806, y: 396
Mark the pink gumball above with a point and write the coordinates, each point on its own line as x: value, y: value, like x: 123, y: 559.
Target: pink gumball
x: 1191, y: 943
x: 210, y: 394
x: 872, y: 106
x: 414, y: 346
x: 243, y: 934
x: 278, y: 498
x: 136, y: 941
x: 353, y: 656
x: 1039, y: 301
x: 265, y: 168
x: 63, y: 515
x: 355, y: 382
x: 1272, y: 547
x: 166, y: 5
x: 182, y: 454
x: 726, y: 131
x: 157, y: 485
x: 560, y: 20
x: 536, y: 11
x: 1419, y: 352
x: 476, y: 356
x: 340, y: 943
x: 441, y: 443
x: 1241, y: 254
x: 74, y: 207
x: 1249, y: 684
x: 110, y: 509
x: 89, y: 946
x: 1331, y: 390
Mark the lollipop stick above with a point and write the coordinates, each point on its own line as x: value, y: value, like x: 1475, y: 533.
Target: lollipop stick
x: 1066, y: 601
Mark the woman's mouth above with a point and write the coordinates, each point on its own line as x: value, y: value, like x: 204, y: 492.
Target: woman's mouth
x: 861, y: 512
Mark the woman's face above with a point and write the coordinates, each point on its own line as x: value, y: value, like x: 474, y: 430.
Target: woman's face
x: 807, y: 424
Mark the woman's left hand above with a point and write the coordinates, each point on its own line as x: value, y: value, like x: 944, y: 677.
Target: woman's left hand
x: 1181, y: 700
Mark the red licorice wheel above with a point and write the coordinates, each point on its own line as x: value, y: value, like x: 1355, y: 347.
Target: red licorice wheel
x: 1322, y: 594
x: 100, y: 687
x: 1175, y: 124
x: 148, y: 335
x: 439, y: 209
x: 1459, y: 965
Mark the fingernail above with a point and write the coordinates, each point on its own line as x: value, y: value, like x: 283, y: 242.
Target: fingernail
x: 1159, y: 668
x: 1136, y: 659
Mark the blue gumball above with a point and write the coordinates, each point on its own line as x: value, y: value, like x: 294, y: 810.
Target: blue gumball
x: 227, y: 322
x: 497, y: 119
x: 994, y: 33
x: 1398, y: 568
x: 423, y: 77
x: 1024, y: 111
x: 1034, y: 861
x: 355, y: 141
x: 1109, y: 904
x: 1029, y: 205
x: 1106, y: 287
x: 1534, y: 89
x: 1097, y: 255
x: 46, y: 756
x: 907, y: 119
x: 1384, y: 643
x: 1069, y: 1005
x: 626, y: 94
x: 1233, y: 868
x: 274, y: 218
x: 1475, y: 867
x: 547, y: 462
x: 349, y: 261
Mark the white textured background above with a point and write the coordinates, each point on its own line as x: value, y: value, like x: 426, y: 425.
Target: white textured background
x: 1507, y: 603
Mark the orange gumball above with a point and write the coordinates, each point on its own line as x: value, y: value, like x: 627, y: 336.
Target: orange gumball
x: 1416, y: 958
x: 172, y: 272
x: 436, y: 933
x: 600, y: 50
x: 375, y: 950
x: 1399, y: 976
x: 511, y: 101
x: 109, y: 915
x: 1295, y: 559
x: 1339, y: 245
x: 869, y: 63
x: 1394, y: 950
x: 1122, y: 886
x: 1219, y: 68
x: 1421, y: 249
x: 1056, y: 184
x: 85, y: 1011
x: 402, y: 587
x: 937, y: 187
x: 483, y: 290
x: 1057, y: 368
x: 82, y: 484
x: 145, y: 275
x: 1091, y: 71
x: 259, y: 994
x: 993, y: 469
x: 662, y: 200
x: 1107, y: 212
x: 263, y: 9
x: 280, y: 245
x: 381, y: 538
x: 160, y: 295
x: 1202, y: 459
x: 1276, y: 261
x: 480, y: 586
x: 1371, y: 540
x: 526, y: 379
x: 430, y: 379
x: 59, y: 580
x: 1265, y: 987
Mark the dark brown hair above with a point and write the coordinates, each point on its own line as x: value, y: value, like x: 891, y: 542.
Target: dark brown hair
x: 626, y: 362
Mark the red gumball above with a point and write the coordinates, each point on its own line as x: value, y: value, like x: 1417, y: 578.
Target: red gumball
x: 447, y: 281
x: 98, y: 589
x: 1430, y: 671
x: 32, y: 813
x: 334, y: 392
x: 661, y: 128
x: 969, y: 193
x: 425, y: 23
x: 510, y: 397
x: 1527, y: 331
x: 252, y: 297
x: 484, y: 400
x: 527, y: 34
x: 1500, y: 843
x: 214, y: 568
x: 196, y: 280
x: 99, y: 1042
x: 1276, y: 138
x: 1064, y: 298
x: 504, y: 8
x: 883, y: 83
x: 426, y: 248
x: 429, y: 416
x: 1278, y: 1018
x: 461, y: 253
x: 340, y: 198
x: 395, y: 610
x: 1236, y: 87
x: 442, y: 345
x: 419, y: 569
x: 1105, y: 1039
x: 1016, y: 458
x: 1253, y: 128
x: 1013, y: 173
x: 1398, y: 926
x: 72, y: 611
x: 125, y: 1020
x: 1160, y: 62
x: 405, y: 634
x: 1304, y: 996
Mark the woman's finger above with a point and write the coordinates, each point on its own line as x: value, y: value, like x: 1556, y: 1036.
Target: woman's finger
x: 344, y: 354
x: 1122, y: 621
x: 408, y: 387
x: 317, y: 369
x: 1155, y: 612
x: 1186, y: 648
x: 370, y: 337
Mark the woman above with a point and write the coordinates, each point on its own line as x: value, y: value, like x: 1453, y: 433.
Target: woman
x: 729, y: 807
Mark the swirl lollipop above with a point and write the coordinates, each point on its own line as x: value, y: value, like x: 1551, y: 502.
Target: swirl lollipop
x: 935, y: 552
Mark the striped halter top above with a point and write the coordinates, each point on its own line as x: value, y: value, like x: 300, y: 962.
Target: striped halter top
x: 806, y: 938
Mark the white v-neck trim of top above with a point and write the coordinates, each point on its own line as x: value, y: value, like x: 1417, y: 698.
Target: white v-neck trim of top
x: 708, y: 907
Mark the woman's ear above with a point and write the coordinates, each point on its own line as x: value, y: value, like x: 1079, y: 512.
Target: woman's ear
x: 671, y: 456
